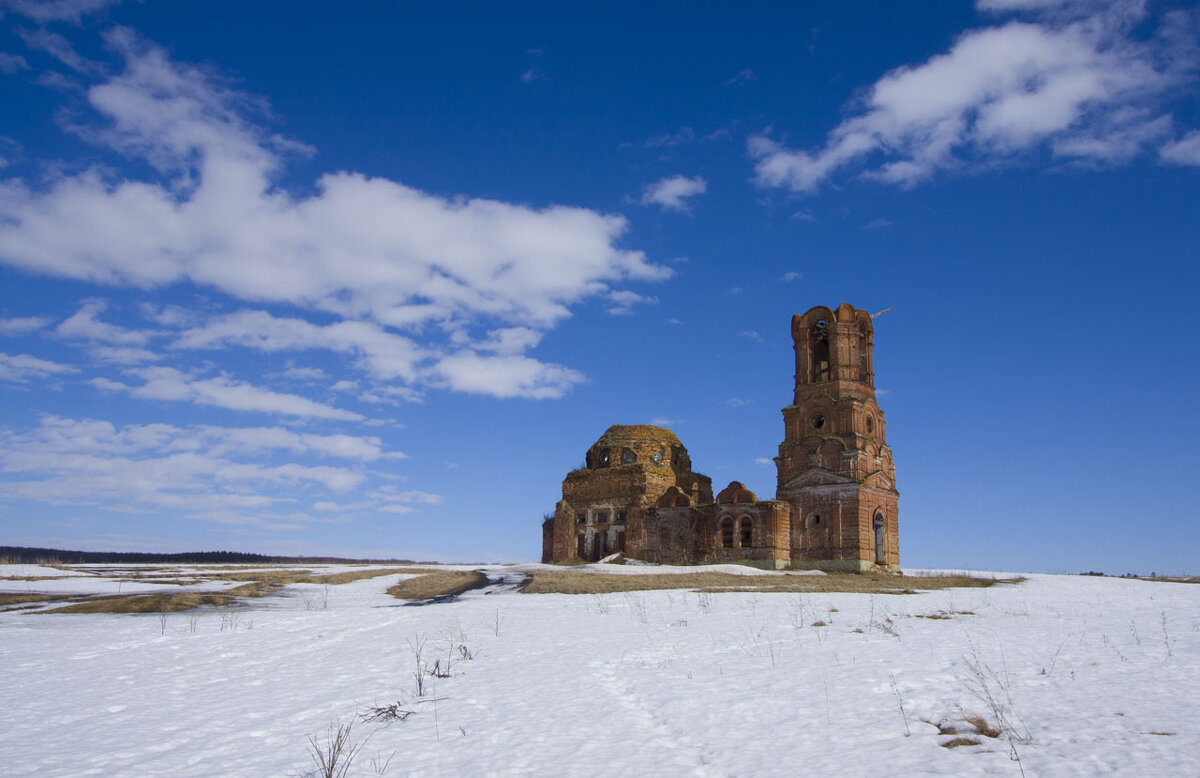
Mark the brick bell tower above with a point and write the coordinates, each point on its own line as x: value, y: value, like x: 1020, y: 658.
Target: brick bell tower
x: 834, y: 465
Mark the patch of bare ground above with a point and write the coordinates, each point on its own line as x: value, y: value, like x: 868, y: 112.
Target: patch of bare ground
x: 157, y: 602
x: 960, y: 741
x: 33, y: 577
x: 257, y: 584
x: 441, y: 583
x: 583, y: 582
x: 27, y: 598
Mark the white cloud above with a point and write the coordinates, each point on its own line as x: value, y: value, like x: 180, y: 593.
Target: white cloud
x: 11, y: 63
x: 1185, y: 151
x: 750, y: 335
x: 736, y: 402
x: 123, y: 355
x: 1074, y: 81
x: 85, y: 326
x: 23, y: 325
x: 20, y: 368
x: 764, y: 461
x: 790, y: 276
x: 301, y: 373
x: 743, y: 76
x: 623, y: 301
x: 391, y: 395
x: 877, y: 224
x: 372, y: 252
x: 199, y: 471
x: 672, y: 193
x: 56, y: 10
x: 168, y: 383
x: 504, y: 376
x: 379, y: 352
x: 359, y: 247
x: 684, y: 135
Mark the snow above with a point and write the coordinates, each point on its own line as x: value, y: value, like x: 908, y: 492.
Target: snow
x: 1103, y: 674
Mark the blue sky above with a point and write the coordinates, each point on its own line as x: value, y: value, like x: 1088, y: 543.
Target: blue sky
x: 367, y: 279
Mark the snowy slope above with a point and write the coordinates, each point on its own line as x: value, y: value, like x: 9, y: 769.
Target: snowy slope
x: 1103, y: 675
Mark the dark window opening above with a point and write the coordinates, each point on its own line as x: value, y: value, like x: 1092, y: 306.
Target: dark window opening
x: 620, y: 517
x: 581, y: 547
x: 818, y: 421
x: 601, y: 517
x: 727, y: 533
x: 880, y: 548
x: 603, y: 459
x: 870, y: 424
x: 621, y: 541
x: 864, y: 357
x: 746, y: 533
x: 581, y: 518
x: 816, y: 519
x: 628, y: 457
x: 820, y: 351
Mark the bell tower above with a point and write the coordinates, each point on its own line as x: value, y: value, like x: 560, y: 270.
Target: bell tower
x: 834, y: 465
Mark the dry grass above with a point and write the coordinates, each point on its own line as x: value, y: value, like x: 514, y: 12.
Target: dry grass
x: 442, y: 583
x: 157, y: 602
x: 257, y: 584
x: 581, y: 582
x: 14, y: 598
x: 983, y: 726
x: 961, y: 741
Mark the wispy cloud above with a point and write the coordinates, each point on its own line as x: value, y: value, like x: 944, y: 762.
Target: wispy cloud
x: 623, y: 301
x: 205, y: 472
x: 790, y: 276
x: 743, y: 76
x: 23, y: 325
x: 672, y: 193
x: 170, y: 384
x: 21, y: 368
x: 1069, y: 77
x: 56, y: 10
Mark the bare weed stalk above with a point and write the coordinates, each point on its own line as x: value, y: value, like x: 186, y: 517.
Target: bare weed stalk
x: 417, y: 645
x: 994, y: 691
x: 333, y: 755
x: 900, y: 701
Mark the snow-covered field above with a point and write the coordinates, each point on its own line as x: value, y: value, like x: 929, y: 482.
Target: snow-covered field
x: 1094, y: 676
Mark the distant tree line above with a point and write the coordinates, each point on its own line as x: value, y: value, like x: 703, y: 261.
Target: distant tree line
x: 25, y: 555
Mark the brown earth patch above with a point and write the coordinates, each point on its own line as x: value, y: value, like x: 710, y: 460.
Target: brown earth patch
x: 582, y: 582
x: 442, y: 583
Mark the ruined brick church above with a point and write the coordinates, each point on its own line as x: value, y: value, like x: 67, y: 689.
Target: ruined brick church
x: 835, y: 501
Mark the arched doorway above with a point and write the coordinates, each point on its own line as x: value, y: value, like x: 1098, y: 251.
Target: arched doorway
x: 880, y: 548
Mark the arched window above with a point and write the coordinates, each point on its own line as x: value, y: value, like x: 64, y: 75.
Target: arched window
x: 880, y: 547
x: 819, y: 344
x: 745, y: 532
x: 627, y: 456
x: 727, y: 533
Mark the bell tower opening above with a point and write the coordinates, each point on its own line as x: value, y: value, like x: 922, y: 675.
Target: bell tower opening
x: 820, y: 351
x: 880, y: 546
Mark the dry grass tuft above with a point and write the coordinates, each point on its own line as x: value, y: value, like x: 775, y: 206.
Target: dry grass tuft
x: 442, y: 583
x: 586, y: 582
x: 961, y: 741
x: 156, y: 602
x: 983, y: 726
x: 14, y: 598
x: 940, y: 615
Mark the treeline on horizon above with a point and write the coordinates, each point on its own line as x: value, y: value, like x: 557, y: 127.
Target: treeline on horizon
x: 25, y: 555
